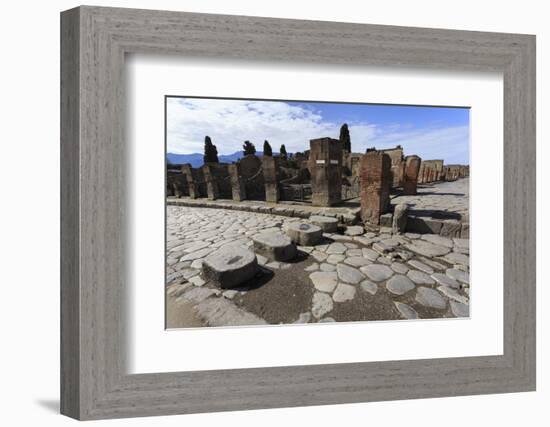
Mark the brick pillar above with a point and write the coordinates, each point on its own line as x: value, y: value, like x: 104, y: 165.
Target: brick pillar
x: 270, y: 170
x: 238, y: 191
x: 212, y: 188
x: 376, y: 181
x: 325, y: 163
x: 410, y: 177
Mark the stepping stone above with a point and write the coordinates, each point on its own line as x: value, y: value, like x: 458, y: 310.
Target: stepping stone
x: 327, y: 267
x: 370, y: 254
x: 354, y: 230
x: 357, y: 261
x: 326, y: 223
x: 438, y: 240
x: 452, y: 294
x: 321, y: 304
x: 275, y: 246
x: 324, y: 281
x: 427, y: 249
x: 399, y: 268
x: 429, y: 297
x: 420, y: 278
x: 304, y: 234
x: 399, y: 284
x: 229, y: 266
x: 335, y: 258
x: 443, y: 279
x: 377, y: 272
x: 349, y: 274
x: 421, y: 266
x: 459, y: 275
x: 459, y: 309
x: 369, y: 287
x: 336, y: 248
x: 343, y: 293
x: 406, y: 310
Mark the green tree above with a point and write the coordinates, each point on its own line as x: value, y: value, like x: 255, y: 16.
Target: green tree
x: 267, y: 149
x: 210, y: 151
x: 282, y: 152
x: 345, y: 138
x: 248, y: 148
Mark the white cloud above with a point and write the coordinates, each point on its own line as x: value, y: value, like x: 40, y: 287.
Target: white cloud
x: 230, y: 122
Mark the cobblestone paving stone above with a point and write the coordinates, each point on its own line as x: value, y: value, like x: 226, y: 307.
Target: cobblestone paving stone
x: 373, y: 276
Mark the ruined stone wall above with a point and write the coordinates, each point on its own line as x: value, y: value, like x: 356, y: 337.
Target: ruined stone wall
x: 195, y: 181
x: 325, y: 165
x: 218, y: 183
x: 250, y: 169
x: 176, y: 184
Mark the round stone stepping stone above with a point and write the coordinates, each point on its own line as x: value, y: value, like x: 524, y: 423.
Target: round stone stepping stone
x: 420, y: 278
x: 354, y: 230
x: 399, y: 268
x: 357, y: 261
x: 399, y: 284
x: 321, y: 304
x: 377, y: 272
x: 327, y: 267
x: 443, y: 279
x: 370, y: 254
x: 349, y: 274
x: 326, y: 223
x: 438, y: 240
x: 427, y: 249
x: 452, y: 294
x: 304, y: 234
x: 343, y: 293
x: 275, y: 246
x: 336, y: 248
x: 324, y: 281
x: 459, y: 309
x: 429, y: 297
x: 459, y: 275
x: 406, y: 310
x: 421, y: 266
x: 369, y: 287
x: 229, y: 266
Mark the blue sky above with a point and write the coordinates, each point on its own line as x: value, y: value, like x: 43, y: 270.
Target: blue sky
x: 430, y: 132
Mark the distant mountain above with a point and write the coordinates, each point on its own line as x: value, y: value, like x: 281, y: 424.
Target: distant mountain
x: 196, y: 159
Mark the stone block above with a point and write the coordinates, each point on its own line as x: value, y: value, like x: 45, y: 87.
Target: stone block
x: 325, y: 165
x: 304, y: 234
x: 410, y: 175
x: 451, y: 228
x: 230, y: 266
x: 376, y: 180
x: 275, y: 246
x: 399, y: 222
x: 326, y: 223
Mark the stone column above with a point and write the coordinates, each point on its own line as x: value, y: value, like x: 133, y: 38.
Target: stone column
x: 376, y: 181
x: 410, y: 178
x: 212, y: 189
x: 270, y: 170
x: 238, y: 191
x: 192, y: 183
x: 325, y: 162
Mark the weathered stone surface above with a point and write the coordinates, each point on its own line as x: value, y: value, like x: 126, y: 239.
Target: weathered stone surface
x: 354, y: 230
x: 399, y: 267
x: 443, y: 279
x: 222, y: 312
x: 369, y: 287
x: 343, y: 293
x: 420, y: 278
x: 327, y: 267
x: 354, y: 252
x: 382, y: 248
x: 303, y: 318
x: 197, y: 280
x: 399, y: 284
x: 438, y: 240
x: 456, y: 258
x: 321, y: 304
x: 452, y: 294
x: 324, y: 281
x: 384, y: 260
x: 377, y: 272
x: 304, y: 234
x: 399, y: 221
x: 336, y: 248
x: 459, y: 275
x: 312, y: 267
x: 410, y: 174
x: 370, y: 254
x: 430, y: 298
x: 275, y: 246
x: 201, y: 253
x: 406, y: 310
x: 376, y: 181
x: 325, y: 166
x: 229, y: 266
x: 349, y: 274
x: 326, y: 223
x: 451, y: 228
x: 196, y: 295
x: 335, y: 258
x: 327, y: 320
x: 230, y: 293
x: 357, y: 261
x: 428, y: 249
x: 319, y: 256
x: 459, y: 309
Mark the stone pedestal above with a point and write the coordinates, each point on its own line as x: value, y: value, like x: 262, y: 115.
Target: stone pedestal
x: 376, y: 181
x: 270, y: 169
x: 410, y: 177
x: 238, y: 191
x: 325, y: 164
x: 275, y: 246
x: 304, y: 234
x: 327, y: 223
x: 229, y: 266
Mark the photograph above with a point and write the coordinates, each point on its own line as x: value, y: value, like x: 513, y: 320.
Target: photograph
x: 295, y: 212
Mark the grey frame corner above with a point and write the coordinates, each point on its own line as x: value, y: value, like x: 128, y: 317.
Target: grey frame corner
x: 94, y: 41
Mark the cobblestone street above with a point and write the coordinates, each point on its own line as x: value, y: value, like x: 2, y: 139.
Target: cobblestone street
x: 348, y: 276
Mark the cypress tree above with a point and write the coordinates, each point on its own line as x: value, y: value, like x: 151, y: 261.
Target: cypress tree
x: 345, y: 138
x: 248, y: 148
x: 282, y: 152
x: 210, y: 151
x: 267, y: 149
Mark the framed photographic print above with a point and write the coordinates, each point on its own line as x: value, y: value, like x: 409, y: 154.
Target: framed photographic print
x: 262, y: 213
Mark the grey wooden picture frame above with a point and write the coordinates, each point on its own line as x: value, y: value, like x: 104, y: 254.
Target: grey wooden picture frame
x: 94, y: 381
